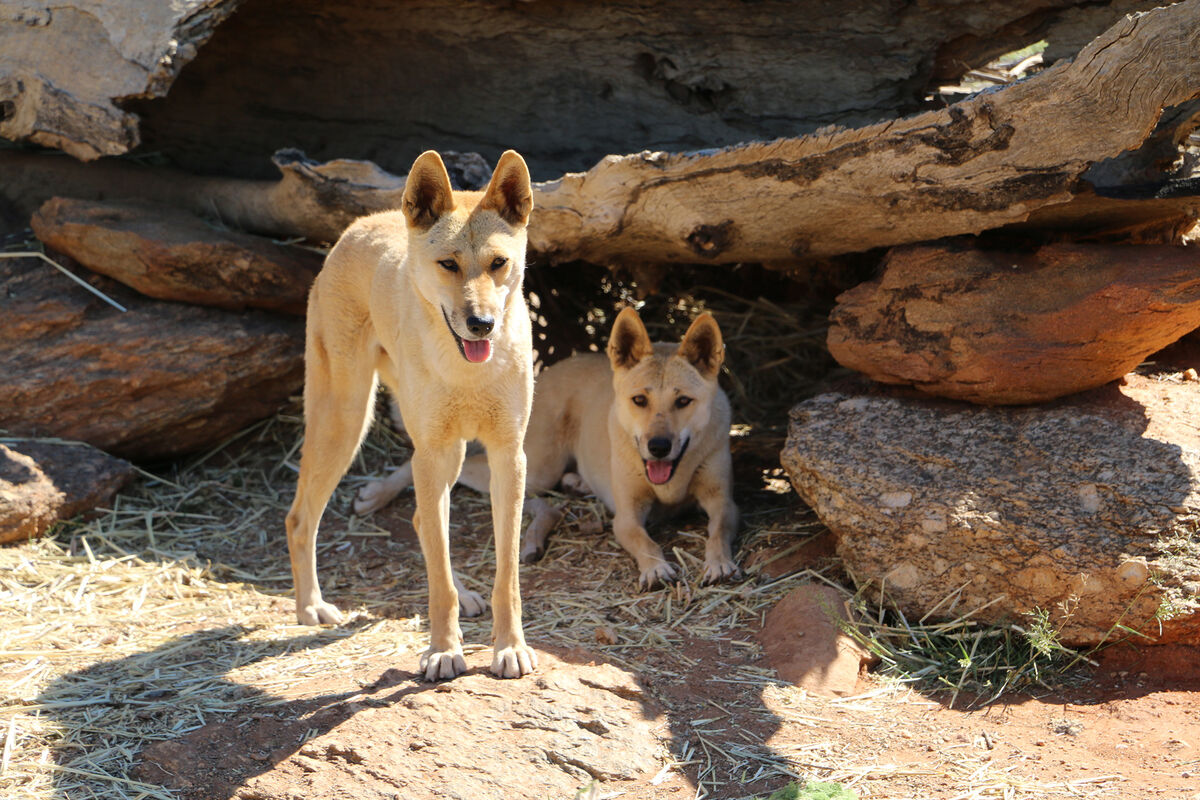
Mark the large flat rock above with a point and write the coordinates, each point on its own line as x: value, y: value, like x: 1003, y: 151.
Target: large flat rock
x: 171, y: 254
x: 1004, y: 327
x: 158, y: 380
x: 1086, y: 508
x: 548, y: 734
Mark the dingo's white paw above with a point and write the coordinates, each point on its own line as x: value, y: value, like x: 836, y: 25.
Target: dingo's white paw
x: 513, y: 662
x: 318, y: 613
x: 470, y: 603
x: 721, y: 569
x: 661, y: 574
x: 374, y: 496
x: 442, y: 665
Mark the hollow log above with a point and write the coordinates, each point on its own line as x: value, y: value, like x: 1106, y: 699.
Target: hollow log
x: 982, y: 163
x: 67, y: 68
x: 565, y: 81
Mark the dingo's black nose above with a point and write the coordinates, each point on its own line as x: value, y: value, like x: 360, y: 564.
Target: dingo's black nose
x: 659, y: 446
x: 480, y: 326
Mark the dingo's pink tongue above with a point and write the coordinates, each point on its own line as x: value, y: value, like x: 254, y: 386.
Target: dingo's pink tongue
x: 658, y: 471
x: 477, y: 351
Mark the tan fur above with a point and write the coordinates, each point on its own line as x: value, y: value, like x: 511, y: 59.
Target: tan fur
x: 585, y: 418
x: 376, y: 312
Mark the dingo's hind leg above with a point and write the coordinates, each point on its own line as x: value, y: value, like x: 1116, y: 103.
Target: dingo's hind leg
x: 337, y: 412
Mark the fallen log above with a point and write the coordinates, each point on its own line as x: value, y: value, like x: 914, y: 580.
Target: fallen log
x: 1003, y: 327
x: 983, y: 163
x: 565, y: 83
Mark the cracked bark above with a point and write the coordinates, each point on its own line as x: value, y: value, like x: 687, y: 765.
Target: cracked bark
x: 118, y: 52
x: 983, y: 163
x: 986, y: 162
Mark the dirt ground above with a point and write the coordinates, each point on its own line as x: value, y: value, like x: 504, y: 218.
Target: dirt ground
x: 167, y: 665
x: 151, y: 652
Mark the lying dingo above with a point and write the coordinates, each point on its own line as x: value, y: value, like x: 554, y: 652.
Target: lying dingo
x: 429, y: 300
x: 645, y: 428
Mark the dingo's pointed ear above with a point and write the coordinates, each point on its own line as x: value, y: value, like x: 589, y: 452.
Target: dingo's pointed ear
x: 427, y: 192
x: 508, y: 193
x: 629, y: 343
x: 703, y: 346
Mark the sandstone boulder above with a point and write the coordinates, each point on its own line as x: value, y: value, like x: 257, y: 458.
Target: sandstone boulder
x: 173, y: 255
x: 160, y: 380
x: 43, y: 482
x: 1000, y: 327
x: 1086, y: 508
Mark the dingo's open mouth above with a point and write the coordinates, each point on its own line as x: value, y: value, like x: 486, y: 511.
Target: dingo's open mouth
x: 660, y: 471
x: 474, y: 350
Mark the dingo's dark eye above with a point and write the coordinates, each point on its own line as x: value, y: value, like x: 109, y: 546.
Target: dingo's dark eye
x: 448, y: 264
x: 639, y: 400
x: 498, y: 262
x: 683, y: 402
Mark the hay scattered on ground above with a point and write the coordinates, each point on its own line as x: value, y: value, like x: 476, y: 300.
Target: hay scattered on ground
x: 173, y: 608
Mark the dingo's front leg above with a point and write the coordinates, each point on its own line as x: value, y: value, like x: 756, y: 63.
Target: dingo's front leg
x: 713, y: 493
x: 629, y: 526
x: 512, y: 658
x: 378, y: 493
x: 434, y: 470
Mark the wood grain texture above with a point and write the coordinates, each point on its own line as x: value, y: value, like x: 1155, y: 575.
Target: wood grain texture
x: 982, y: 163
x: 564, y: 81
x: 67, y: 69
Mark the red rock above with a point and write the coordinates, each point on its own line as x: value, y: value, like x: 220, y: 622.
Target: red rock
x: 996, y: 327
x: 1084, y: 509
x: 173, y: 255
x: 42, y: 483
x: 804, y: 642
x: 160, y: 380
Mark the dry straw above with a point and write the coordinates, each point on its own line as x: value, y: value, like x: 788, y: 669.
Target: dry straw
x: 171, y: 610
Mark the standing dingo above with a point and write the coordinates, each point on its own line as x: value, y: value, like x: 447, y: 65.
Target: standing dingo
x: 429, y: 300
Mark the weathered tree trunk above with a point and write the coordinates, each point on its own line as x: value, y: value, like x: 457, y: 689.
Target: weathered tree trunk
x: 567, y: 81
x: 66, y: 68
x: 980, y: 164
x: 983, y: 163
